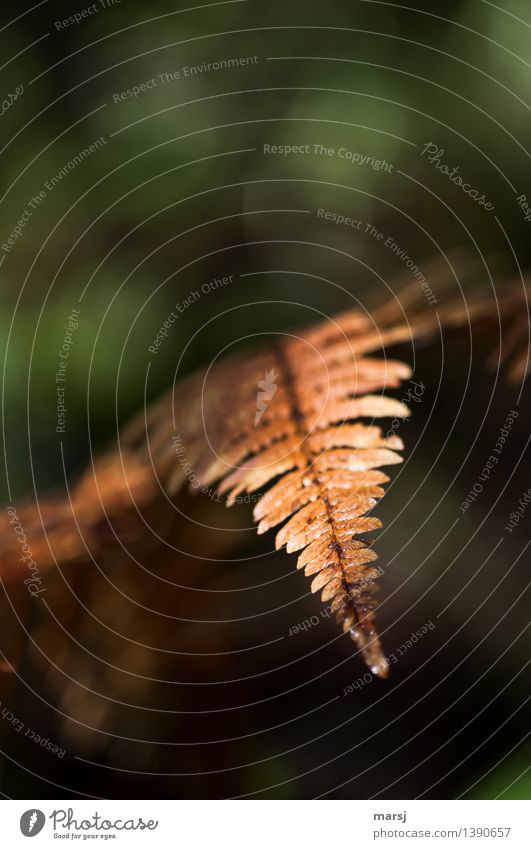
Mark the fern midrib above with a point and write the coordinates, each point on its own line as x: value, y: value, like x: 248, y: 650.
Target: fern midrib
x: 300, y: 418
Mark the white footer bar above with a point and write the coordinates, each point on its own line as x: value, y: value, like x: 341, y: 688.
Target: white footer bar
x: 268, y: 824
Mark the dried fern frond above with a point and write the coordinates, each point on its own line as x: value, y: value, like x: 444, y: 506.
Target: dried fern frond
x: 297, y: 417
x: 59, y: 529
x: 499, y: 318
x: 309, y: 435
x: 314, y: 443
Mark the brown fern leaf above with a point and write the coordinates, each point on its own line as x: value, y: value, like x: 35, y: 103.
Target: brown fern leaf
x: 292, y: 413
x: 97, y: 508
x: 499, y: 318
x: 297, y: 418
